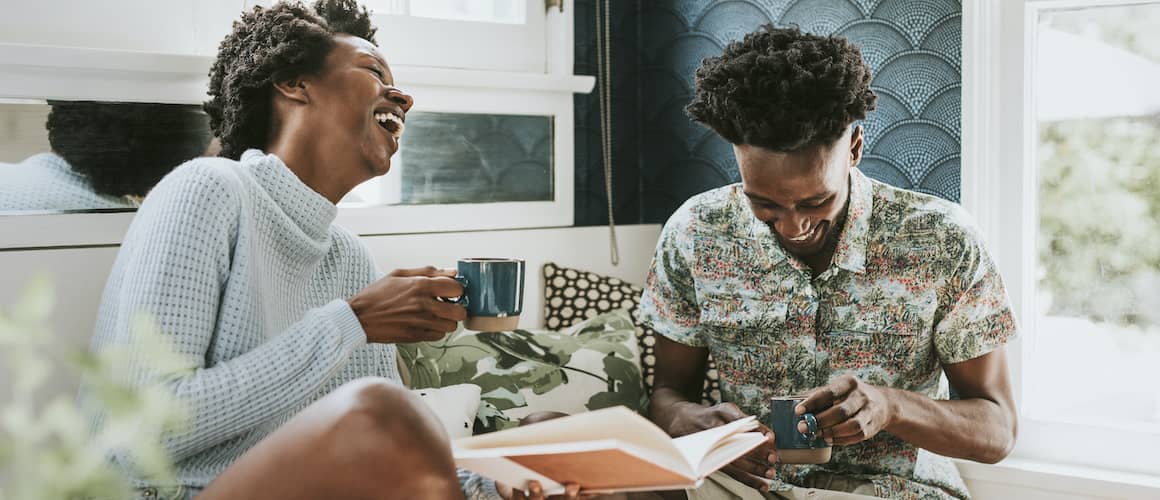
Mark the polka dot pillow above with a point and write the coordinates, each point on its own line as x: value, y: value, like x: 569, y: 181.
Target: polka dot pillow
x: 572, y: 296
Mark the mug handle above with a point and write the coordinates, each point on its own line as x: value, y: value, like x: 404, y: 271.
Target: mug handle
x: 811, y: 426
x: 460, y: 300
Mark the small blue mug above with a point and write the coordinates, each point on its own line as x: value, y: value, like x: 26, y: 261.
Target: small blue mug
x: 493, y: 292
x: 794, y: 447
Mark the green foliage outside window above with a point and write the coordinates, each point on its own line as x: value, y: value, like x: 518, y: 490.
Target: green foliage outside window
x: 1099, y: 198
x: 1100, y: 219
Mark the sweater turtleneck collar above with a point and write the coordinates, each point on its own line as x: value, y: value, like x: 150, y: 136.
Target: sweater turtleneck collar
x: 308, y: 209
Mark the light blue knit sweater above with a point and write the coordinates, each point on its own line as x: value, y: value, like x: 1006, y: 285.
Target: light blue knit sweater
x: 242, y: 267
x: 45, y: 181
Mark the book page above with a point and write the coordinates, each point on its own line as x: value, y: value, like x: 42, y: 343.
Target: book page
x: 696, y: 446
x: 728, y: 450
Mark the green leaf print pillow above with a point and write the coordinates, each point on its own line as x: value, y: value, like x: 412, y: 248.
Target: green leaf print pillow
x: 595, y: 364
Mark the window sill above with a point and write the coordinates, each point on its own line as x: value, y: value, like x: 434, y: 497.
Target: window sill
x: 52, y: 230
x: 451, y: 77
x: 73, y: 73
x: 1069, y: 480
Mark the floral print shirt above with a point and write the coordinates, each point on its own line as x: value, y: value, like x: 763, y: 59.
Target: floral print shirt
x: 910, y: 288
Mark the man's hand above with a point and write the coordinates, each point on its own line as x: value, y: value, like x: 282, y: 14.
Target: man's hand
x: 404, y: 306
x: 753, y: 469
x: 678, y: 378
x: 848, y: 410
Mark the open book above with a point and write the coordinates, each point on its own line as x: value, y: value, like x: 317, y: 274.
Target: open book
x: 604, y: 451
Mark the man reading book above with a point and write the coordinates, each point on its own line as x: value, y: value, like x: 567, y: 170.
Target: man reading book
x: 808, y: 277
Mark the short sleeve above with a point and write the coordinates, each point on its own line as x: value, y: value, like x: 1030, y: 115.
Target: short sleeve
x: 976, y: 315
x: 669, y: 301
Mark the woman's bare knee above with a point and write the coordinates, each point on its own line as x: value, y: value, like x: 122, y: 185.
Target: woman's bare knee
x: 385, y: 426
x: 369, y: 438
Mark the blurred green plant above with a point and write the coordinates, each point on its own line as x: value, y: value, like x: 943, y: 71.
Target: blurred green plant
x: 1099, y: 199
x: 61, y: 449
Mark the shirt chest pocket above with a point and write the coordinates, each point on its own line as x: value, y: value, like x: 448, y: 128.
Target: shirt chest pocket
x: 739, y: 321
x: 864, y: 336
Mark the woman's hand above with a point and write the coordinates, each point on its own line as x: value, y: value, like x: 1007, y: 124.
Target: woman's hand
x: 404, y: 306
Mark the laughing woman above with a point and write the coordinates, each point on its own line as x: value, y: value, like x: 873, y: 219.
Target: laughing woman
x: 283, y: 313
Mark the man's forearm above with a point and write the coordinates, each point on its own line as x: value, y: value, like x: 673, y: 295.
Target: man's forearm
x: 975, y: 429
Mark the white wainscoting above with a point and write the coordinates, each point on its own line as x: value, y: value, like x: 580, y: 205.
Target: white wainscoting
x: 78, y: 276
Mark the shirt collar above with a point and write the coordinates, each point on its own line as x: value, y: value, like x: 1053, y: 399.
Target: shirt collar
x: 761, y: 232
x: 850, y: 253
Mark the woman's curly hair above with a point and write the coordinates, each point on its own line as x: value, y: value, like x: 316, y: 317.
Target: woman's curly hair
x: 783, y: 90
x: 268, y: 45
x: 124, y: 148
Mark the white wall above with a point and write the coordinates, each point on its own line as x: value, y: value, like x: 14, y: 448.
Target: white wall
x: 1024, y: 480
x: 22, y: 131
x: 78, y: 275
x: 167, y: 26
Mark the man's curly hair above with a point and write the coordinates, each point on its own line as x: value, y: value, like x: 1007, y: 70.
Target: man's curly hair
x: 268, y: 45
x: 124, y: 148
x: 783, y: 90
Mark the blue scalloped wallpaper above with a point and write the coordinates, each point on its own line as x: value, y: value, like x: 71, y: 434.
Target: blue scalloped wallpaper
x: 661, y: 158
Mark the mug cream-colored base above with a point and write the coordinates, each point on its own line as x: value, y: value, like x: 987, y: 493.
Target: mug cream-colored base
x: 491, y: 324
x: 814, y: 456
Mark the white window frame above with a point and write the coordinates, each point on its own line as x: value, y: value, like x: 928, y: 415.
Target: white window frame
x: 493, y: 46
x: 497, y: 98
x: 1000, y: 187
x: 516, y: 48
x: 44, y: 72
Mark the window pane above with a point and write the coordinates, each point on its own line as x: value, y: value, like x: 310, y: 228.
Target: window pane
x: 1097, y: 349
x: 484, y: 11
x: 493, y: 35
x: 467, y: 158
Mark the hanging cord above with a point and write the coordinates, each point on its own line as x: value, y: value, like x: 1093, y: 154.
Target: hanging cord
x: 604, y: 80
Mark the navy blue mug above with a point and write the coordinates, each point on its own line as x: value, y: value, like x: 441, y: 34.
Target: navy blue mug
x: 493, y: 293
x: 793, y: 446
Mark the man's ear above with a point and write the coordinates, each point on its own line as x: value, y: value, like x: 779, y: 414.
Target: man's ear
x: 856, y: 145
x: 293, y: 89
